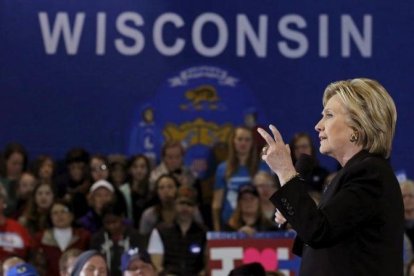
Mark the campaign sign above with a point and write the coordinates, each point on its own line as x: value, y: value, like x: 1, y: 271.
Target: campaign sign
x: 271, y: 249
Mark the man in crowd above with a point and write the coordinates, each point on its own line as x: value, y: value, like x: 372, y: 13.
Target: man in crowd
x: 179, y: 249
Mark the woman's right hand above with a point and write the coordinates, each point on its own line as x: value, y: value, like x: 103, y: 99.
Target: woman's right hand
x: 279, y: 218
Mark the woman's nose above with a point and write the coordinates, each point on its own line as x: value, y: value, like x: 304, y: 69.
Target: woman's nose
x: 318, y: 127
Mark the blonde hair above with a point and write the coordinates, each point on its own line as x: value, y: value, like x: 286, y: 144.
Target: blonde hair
x: 372, y: 112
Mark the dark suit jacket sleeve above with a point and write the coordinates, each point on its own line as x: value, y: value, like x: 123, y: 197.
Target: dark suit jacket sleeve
x: 355, y: 201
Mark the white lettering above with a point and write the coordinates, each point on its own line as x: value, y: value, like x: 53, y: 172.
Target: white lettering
x: 223, y: 34
x: 157, y: 34
x: 134, y: 34
x: 362, y: 41
x: 61, y: 25
x: 245, y: 30
x: 323, y: 35
x: 227, y: 256
x: 100, y: 33
x: 292, y: 35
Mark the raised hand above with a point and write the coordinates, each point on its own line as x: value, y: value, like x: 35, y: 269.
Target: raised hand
x: 277, y: 154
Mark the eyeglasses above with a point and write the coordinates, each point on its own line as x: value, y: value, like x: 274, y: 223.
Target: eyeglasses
x: 102, y: 167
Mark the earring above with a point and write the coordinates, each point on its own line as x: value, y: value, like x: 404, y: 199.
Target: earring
x: 354, y: 137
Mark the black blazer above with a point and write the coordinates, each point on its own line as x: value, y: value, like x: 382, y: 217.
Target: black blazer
x: 358, y: 227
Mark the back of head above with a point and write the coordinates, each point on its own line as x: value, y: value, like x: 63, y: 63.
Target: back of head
x: 22, y: 269
x: 82, y: 260
x: 251, y: 269
x: 372, y: 112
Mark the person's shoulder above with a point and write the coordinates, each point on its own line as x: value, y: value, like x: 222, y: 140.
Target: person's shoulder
x: 199, y: 226
x: 149, y: 212
x: 13, y: 223
x: 14, y: 226
x: 81, y: 232
x: 371, y: 162
x: 222, y: 166
x: 125, y: 188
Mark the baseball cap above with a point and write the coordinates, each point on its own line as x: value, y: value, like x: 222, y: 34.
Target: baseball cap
x: 23, y: 269
x: 101, y: 184
x: 248, y: 189
x: 132, y: 254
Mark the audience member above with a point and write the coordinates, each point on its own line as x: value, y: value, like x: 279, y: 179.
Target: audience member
x: 99, y: 167
x: 117, y: 169
x: 35, y: 217
x: 137, y: 261
x: 166, y: 187
x: 266, y: 185
x: 23, y: 269
x: 136, y: 190
x: 90, y: 263
x: 116, y: 237
x: 248, y: 216
x: 407, y: 190
x: 14, y: 164
x: 250, y: 269
x: 73, y: 186
x: 172, y: 155
x: 44, y: 169
x: 100, y: 171
x: 51, y: 243
x: 67, y: 261
x: 15, y: 238
x: 239, y: 168
x: 25, y: 187
x: 301, y: 143
x: 9, y: 263
x: 179, y: 248
x: 250, y: 121
x: 101, y: 193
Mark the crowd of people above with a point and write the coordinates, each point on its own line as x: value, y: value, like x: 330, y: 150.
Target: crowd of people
x: 118, y: 215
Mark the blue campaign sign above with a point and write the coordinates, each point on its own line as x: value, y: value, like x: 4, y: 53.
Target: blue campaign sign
x: 83, y: 73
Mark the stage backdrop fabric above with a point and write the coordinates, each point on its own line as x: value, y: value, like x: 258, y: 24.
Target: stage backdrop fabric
x: 82, y: 73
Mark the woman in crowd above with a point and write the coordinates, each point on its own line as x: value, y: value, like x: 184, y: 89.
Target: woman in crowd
x: 248, y: 216
x: 266, y: 186
x: 14, y: 163
x: 90, y: 262
x: 25, y: 187
x: 35, y: 217
x: 51, y: 243
x: 100, y: 171
x: 117, y: 169
x: 166, y: 187
x: 358, y: 226
x: 136, y: 190
x: 238, y: 170
x: 301, y: 143
x: 44, y: 169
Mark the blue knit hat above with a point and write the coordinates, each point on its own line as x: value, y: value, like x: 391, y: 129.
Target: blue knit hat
x: 133, y: 253
x: 23, y: 269
x: 82, y: 260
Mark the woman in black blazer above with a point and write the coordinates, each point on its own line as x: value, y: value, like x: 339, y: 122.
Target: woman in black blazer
x: 357, y: 229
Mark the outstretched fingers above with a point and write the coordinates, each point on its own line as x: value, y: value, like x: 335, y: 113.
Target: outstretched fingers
x: 269, y: 139
x: 276, y: 134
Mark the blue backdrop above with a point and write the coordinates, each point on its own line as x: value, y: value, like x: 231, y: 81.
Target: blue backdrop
x: 79, y: 72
